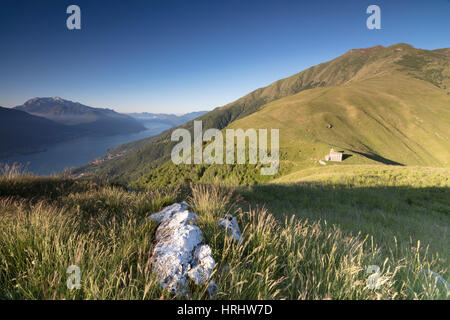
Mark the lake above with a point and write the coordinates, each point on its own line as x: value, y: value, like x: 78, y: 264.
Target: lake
x: 76, y: 152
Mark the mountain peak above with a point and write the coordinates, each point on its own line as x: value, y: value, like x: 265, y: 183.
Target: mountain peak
x: 40, y: 100
x: 402, y: 45
x: 397, y: 47
x: 73, y: 113
x: 366, y: 50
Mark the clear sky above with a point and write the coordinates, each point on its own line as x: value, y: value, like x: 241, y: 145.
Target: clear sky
x: 180, y: 56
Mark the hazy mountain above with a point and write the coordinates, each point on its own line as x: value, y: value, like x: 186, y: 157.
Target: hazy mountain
x: 384, y: 104
x: 166, y: 118
x: 21, y: 132
x: 40, y: 122
x: 85, y: 119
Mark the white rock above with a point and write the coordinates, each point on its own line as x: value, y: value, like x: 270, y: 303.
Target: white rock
x: 178, y: 251
x: 231, y: 225
x: 167, y: 212
x: 203, y: 265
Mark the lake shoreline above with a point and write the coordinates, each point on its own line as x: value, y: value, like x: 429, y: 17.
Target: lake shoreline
x: 72, y: 153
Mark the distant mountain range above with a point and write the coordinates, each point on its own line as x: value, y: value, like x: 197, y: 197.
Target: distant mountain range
x: 169, y: 119
x: 86, y: 120
x: 40, y: 122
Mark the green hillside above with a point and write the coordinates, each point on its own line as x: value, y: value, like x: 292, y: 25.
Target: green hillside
x: 372, y: 175
x: 379, y: 105
x: 408, y: 203
x: 389, y: 119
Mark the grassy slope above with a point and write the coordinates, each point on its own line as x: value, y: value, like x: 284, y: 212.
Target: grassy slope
x: 145, y: 155
x: 385, y: 105
x: 395, y: 110
x: 376, y: 200
x: 372, y: 175
x: 389, y: 119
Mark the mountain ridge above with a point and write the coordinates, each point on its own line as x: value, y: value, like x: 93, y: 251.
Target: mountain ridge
x: 84, y: 118
x: 166, y: 118
x: 354, y: 66
x: 21, y: 132
x: 41, y: 122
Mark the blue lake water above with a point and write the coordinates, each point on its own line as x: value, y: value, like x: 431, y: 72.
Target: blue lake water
x: 76, y: 152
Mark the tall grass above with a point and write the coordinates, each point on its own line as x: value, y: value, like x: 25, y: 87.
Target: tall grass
x: 103, y: 230
x: 296, y: 259
x: 10, y: 171
x: 210, y: 200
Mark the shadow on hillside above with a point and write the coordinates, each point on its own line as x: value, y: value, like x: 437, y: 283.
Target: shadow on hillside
x: 378, y: 158
x: 386, y: 211
x: 331, y: 198
x: 406, y: 213
x: 48, y: 188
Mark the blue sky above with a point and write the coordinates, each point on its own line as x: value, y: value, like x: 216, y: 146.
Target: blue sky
x: 180, y: 56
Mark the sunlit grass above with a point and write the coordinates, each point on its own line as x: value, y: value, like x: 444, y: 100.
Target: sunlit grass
x: 298, y: 259
x: 103, y: 230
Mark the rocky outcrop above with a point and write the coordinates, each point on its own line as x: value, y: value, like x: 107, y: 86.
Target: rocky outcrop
x: 231, y: 226
x: 179, y: 253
